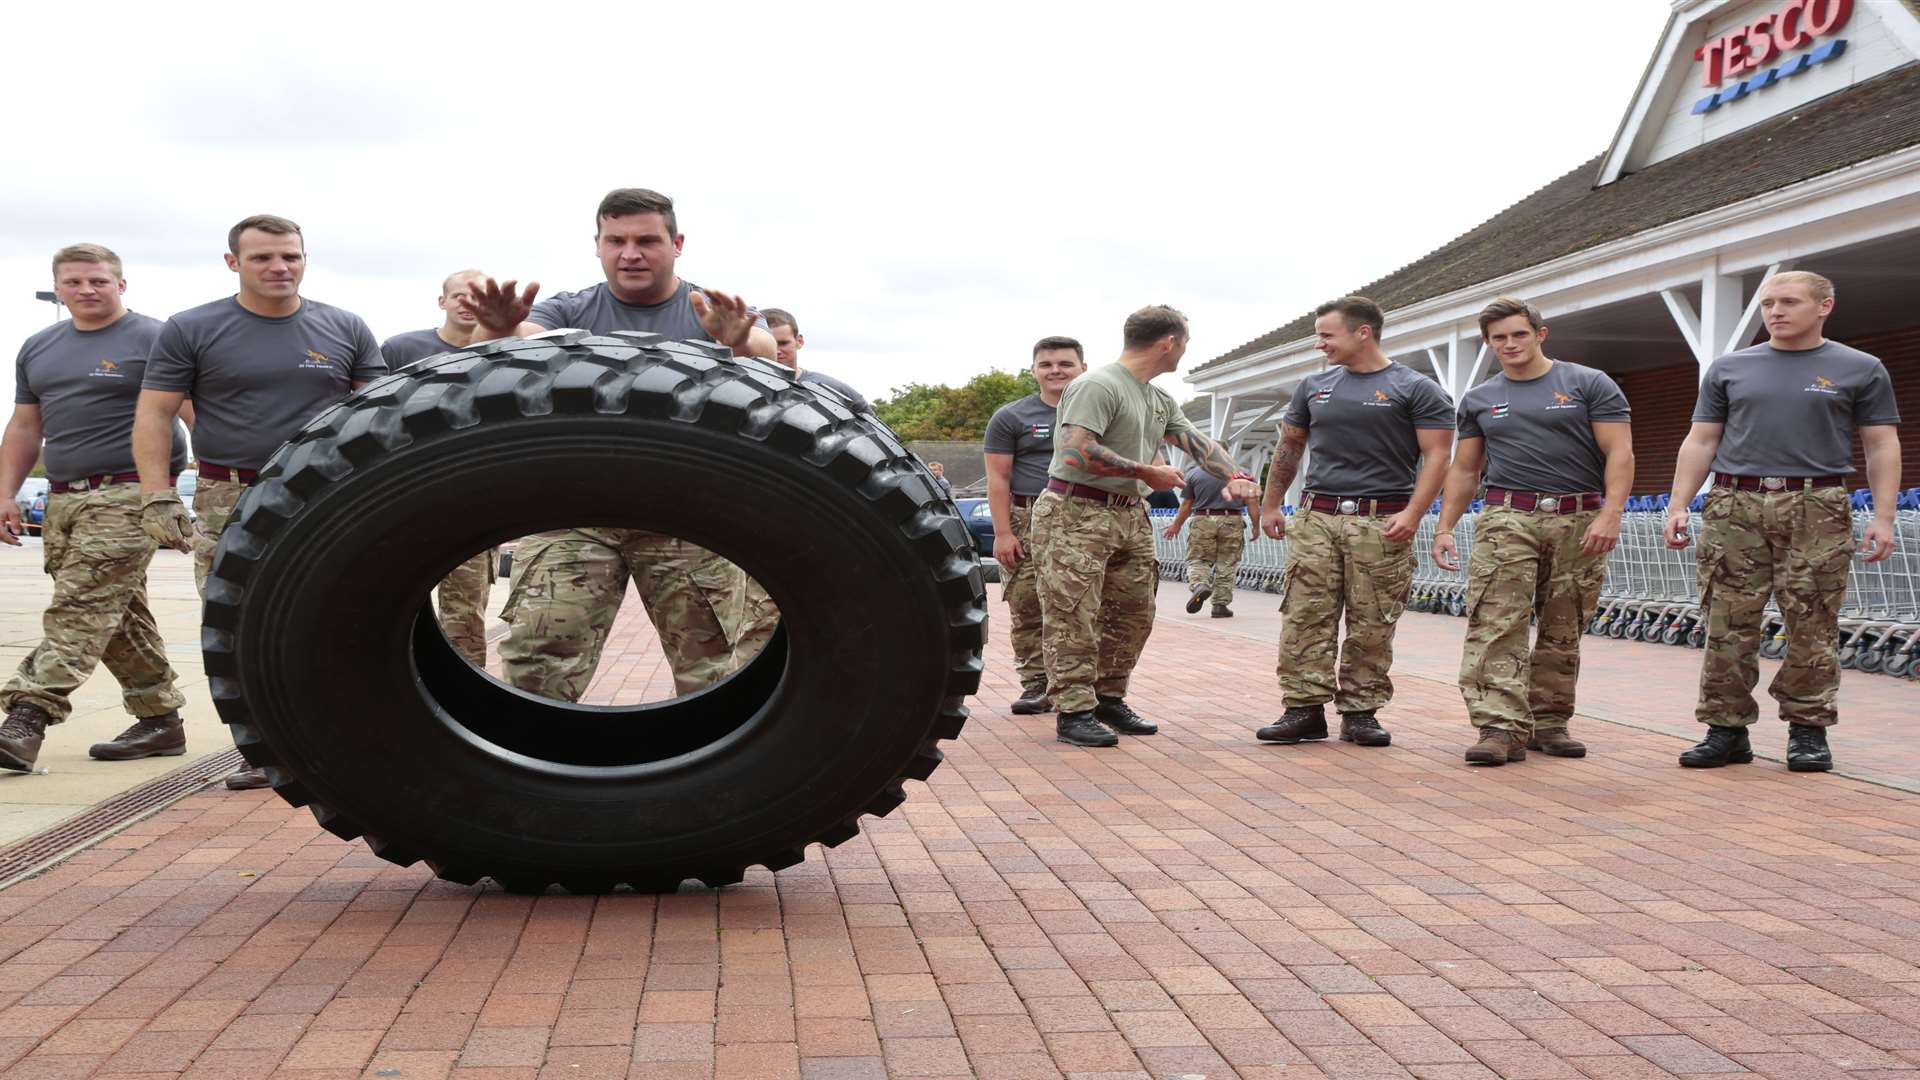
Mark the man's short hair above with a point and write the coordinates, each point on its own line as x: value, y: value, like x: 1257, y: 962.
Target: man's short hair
x: 780, y: 317
x: 1358, y: 311
x: 266, y: 223
x: 1150, y: 324
x: 1506, y: 307
x: 1818, y: 285
x: 636, y: 200
x: 447, y: 285
x: 87, y: 253
x: 1056, y: 341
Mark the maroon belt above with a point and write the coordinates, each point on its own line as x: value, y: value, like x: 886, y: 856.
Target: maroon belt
x: 1024, y: 500
x: 221, y: 472
x: 89, y: 483
x: 1546, y: 504
x: 1777, y: 483
x: 1082, y: 491
x: 1216, y: 513
x: 1341, y: 504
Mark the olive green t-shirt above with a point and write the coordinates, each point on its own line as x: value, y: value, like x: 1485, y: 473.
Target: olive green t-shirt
x: 1129, y: 417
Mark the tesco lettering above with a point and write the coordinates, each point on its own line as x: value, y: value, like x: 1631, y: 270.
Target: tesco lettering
x: 1794, y: 26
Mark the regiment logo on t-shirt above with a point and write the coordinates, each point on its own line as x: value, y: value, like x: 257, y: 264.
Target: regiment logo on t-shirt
x: 1380, y: 400
x: 316, y: 360
x: 1323, y: 395
x: 106, y: 369
x: 1041, y: 431
x: 1499, y: 412
x: 1822, y: 385
x: 1563, y: 401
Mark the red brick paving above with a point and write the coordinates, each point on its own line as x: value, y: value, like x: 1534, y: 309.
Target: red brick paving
x: 1188, y: 904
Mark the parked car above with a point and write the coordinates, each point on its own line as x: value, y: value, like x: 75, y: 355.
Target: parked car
x: 979, y: 518
x: 32, y: 486
x: 36, y: 515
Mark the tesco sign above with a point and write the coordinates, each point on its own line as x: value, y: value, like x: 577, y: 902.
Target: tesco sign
x: 1750, y: 48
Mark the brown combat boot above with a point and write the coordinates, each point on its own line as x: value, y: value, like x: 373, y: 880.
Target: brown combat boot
x: 1497, y: 747
x: 150, y: 736
x: 21, y: 735
x: 1555, y: 742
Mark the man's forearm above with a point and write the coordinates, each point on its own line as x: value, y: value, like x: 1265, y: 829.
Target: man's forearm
x: 1000, y: 502
x: 152, y: 446
x: 1883, y: 475
x: 1206, y: 453
x: 1089, y: 456
x: 1426, y: 486
x: 18, y: 452
x: 1179, y: 519
x: 1460, y: 486
x: 1690, y: 468
x: 1619, y: 477
x: 1280, y: 474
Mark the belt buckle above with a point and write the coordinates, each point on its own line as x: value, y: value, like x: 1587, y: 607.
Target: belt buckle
x: 1774, y: 483
x: 1549, y: 504
x: 1349, y: 506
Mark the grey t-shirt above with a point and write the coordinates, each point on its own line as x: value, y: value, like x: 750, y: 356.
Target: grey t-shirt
x: 1209, y: 492
x: 1360, y: 428
x: 1793, y: 413
x: 1539, y: 431
x: 86, y: 383
x: 414, y: 345
x: 596, y: 308
x: 1024, y: 428
x: 255, y: 380
x: 858, y: 402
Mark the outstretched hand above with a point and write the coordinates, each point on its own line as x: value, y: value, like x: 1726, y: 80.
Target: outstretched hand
x: 497, y: 307
x: 725, y: 317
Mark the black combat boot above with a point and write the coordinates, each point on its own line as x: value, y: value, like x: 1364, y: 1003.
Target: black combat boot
x: 1081, y: 729
x: 1363, y: 729
x: 1196, y: 595
x: 20, y: 737
x: 1119, y: 716
x: 1222, y: 611
x: 1807, y: 748
x: 1300, y: 724
x: 1033, y: 700
x: 1722, y: 746
x: 150, y: 736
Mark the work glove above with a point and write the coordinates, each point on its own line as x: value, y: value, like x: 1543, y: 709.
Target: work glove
x: 164, y: 519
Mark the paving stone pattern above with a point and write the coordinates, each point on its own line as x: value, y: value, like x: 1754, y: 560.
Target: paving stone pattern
x: 1191, y: 904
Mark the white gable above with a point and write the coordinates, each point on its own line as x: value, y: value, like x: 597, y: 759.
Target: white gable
x: 1783, y: 54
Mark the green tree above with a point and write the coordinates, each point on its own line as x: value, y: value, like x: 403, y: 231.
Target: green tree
x: 920, y: 411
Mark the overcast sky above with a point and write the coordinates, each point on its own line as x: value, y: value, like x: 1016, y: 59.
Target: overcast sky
x: 928, y: 188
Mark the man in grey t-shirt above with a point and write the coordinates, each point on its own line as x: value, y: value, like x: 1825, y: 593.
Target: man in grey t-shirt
x: 1215, y: 541
x: 462, y: 596
x: 1557, y: 450
x: 1369, y: 423
x: 258, y: 365
x: 1775, y: 424
x: 568, y: 585
x: 453, y: 333
x: 75, y: 385
x: 1019, y: 450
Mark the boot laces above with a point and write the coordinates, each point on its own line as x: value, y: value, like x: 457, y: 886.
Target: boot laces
x: 21, y: 724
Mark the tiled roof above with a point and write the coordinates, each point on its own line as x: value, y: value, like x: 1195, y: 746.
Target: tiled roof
x: 1863, y: 122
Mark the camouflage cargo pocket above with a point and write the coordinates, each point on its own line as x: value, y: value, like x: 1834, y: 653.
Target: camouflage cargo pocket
x: 1070, y: 575
x: 1388, y: 580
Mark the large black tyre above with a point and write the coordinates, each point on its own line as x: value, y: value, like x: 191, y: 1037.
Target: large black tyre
x: 335, y: 677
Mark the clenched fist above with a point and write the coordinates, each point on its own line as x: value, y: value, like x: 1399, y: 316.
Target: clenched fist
x: 164, y: 519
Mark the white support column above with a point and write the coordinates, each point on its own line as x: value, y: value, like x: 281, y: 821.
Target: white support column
x: 1222, y: 413
x: 1686, y: 320
x: 1240, y: 434
x: 1720, y: 320
x: 1473, y: 372
x: 1742, y: 334
x: 1454, y: 389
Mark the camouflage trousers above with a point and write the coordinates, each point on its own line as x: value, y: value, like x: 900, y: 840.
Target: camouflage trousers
x: 759, y: 617
x: 1796, y: 546
x: 1020, y: 588
x: 568, y: 586
x: 1341, y: 565
x: 1097, y: 578
x: 463, y: 604
x: 213, y: 502
x: 1527, y: 565
x: 1215, y: 543
x: 97, y: 555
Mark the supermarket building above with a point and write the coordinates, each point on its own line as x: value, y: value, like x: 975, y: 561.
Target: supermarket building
x: 1765, y: 135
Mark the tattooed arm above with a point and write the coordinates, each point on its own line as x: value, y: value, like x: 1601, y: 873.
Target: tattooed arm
x: 1083, y: 451
x: 1286, y: 465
